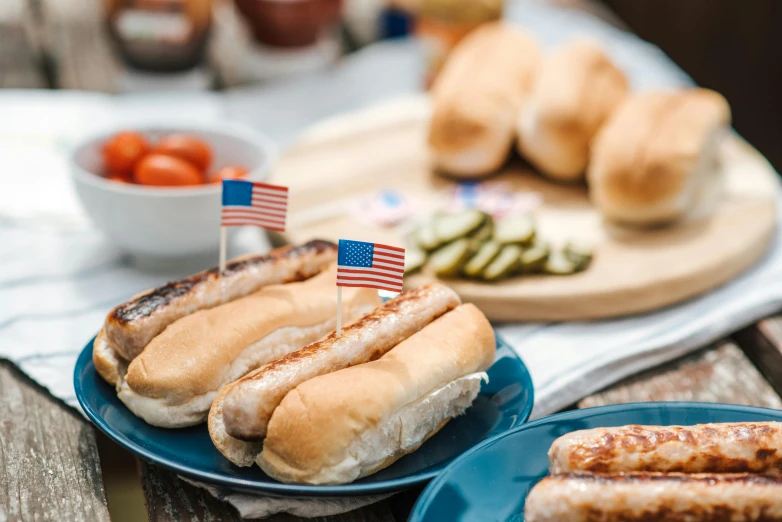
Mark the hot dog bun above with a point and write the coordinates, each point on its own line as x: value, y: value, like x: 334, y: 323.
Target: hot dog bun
x: 174, y: 380
x: 656, y: 158
x: 575, y: 90
x: 240, y: 414
x: 130, y: 326
x: 348, y: 424
x: 476, y: 99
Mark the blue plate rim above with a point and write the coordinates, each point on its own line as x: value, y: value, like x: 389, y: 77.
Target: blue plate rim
x: 425, y: 499
x: 279, y: 488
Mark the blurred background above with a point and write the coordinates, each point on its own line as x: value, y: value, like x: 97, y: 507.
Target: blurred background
x: 114, y: 46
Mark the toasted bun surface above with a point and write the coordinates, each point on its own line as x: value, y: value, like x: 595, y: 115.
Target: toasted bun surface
x: 656, y: 156
x: 108, y: 365
x: 476, y: 97
x: 318, y: 434
x: 575, y: 90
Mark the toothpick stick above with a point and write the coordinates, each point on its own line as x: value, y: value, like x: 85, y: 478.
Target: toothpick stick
x: 223, y: 245
x: 339, y: 311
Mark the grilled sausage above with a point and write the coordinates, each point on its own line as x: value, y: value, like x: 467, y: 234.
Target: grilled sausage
x: 130, y: 326
x: 705, y: 448
x: 655, y: 497
x: 250, y: 401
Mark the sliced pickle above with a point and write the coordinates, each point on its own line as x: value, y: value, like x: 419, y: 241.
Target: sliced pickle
x: 559, y: 264
x: 481, y: 259
x: 518, y: 230
x: 579, y: 253
x: 414, y: 260
x: 485, y: 232
x: 427, y: 238
x: 449, y: 227
x: 506, y: 264
x: 447, y: 261
x: 534, y: 257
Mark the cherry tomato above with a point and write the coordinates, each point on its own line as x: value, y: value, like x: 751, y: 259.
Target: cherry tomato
x: 122, y: 151
x: 166, y: 171
x: 187, y: 147
x: 228, y: 172
x: 119, y: 178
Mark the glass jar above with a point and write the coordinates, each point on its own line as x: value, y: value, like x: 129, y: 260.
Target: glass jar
x: 160, y: 35
x: 441, y: 24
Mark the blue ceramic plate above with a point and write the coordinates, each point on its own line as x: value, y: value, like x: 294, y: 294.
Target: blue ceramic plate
x: 491, y: 481
x: 505, y: 402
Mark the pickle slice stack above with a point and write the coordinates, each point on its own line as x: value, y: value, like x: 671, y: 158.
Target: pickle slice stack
x: 470, y: 244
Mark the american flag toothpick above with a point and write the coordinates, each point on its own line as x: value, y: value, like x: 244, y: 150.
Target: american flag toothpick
x: 251, y: 203
x: 369, y: 265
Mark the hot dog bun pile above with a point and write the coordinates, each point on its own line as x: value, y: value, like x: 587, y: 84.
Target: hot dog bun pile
x: 649, y: 158
x: 170, y: 350
x: 716, y: 472
x: 343, y: 408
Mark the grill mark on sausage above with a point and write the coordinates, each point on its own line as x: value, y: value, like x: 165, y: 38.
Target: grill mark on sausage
x: 598, y: 456
x: 390, y: 307
x: 146, y: 304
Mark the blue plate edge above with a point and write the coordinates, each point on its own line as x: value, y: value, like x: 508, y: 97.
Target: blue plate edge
x: 281, y: 489
x: 424, y: 499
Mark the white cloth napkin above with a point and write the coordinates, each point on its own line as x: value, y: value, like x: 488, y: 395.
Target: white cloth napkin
x: 252, y: 506
x: 59, y: 278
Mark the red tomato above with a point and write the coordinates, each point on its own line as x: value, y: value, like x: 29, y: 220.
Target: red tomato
x: 166, y: 171
x: 120, y: 178
x: 229, y: 172
x: 187, y: 147
x: 122, y: 151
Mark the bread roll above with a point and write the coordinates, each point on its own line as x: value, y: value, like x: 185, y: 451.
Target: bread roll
x: 577, y: 87
x: 476, y: 99
x: 656, y: 158
x: 351, y: 423
x: 174, y: 380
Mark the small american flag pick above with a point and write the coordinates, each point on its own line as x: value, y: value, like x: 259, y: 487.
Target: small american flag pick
x: 370, y: 265
x: 256, y: 204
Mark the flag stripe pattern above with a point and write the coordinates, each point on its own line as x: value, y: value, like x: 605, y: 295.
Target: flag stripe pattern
x: 370, y: 265
x: 256, y: 204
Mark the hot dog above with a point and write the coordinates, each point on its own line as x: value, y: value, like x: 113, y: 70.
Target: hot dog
x: 242, y: 409
x: 705, y: 448
x: 175, y: 378
x: 130, y: 326
x: 348, y: 424
x: 645, y: 497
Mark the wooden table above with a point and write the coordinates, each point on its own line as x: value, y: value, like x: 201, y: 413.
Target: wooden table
x: 50, y: 465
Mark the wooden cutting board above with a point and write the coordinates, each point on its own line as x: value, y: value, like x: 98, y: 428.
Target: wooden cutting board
x: 339, y: 162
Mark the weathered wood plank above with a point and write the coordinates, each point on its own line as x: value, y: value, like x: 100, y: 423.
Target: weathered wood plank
x: 49, y: 464
x: 170, y: 499
x: 19, y: 67
x: 721, y: 374
x: 762, y: 342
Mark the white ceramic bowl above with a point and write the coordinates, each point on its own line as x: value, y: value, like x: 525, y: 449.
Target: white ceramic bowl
x: 155, y: 223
